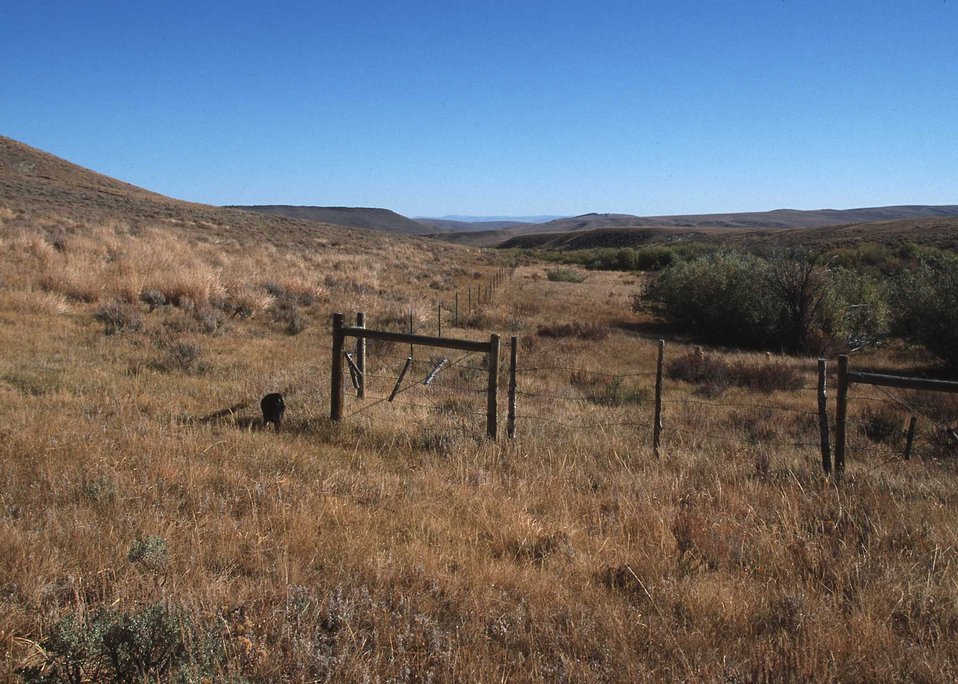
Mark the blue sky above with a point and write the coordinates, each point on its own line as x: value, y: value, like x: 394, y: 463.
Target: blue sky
x: 433, y: 108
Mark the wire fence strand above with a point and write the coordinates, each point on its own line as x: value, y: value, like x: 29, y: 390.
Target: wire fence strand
x: 584, y: 426
x: 537, y: 369
x: 772, y: 407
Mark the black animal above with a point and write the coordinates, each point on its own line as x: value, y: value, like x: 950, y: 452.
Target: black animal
x: 273, y: 409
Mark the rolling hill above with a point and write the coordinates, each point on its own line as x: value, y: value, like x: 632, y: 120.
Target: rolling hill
x: 932, y: 231
x: 356, y: 217
x: 467, y: 226
x: 778, y: 219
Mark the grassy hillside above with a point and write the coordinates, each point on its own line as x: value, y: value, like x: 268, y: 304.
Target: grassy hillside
x: 935, y: 232
x: 138, y: 494
x: 467, y: 226
x: 356, y: 217
x: 622, y: 230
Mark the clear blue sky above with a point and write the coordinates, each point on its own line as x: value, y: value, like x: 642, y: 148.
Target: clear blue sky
x: 515, y: 107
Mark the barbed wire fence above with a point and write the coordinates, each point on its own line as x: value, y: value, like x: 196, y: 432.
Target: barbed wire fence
x: 562, y: 397
x: 556, y: 397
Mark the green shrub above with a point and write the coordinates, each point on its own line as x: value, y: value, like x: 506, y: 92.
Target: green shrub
x: 787, y: 301
x: 719, y: 298
x: 645, y: 258
x: 564, y: 275
x: 856, y: 312
x: 926, y: 303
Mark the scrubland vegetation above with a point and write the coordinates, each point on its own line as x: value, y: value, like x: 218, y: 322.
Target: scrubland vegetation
x: 149, y: 529
x: 806, y: 303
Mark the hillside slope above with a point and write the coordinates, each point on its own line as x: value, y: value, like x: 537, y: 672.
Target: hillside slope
x: 934, y: 231
x: 39, y: 188
x: 778, y: 219
x: 467, y: 226
x: 356, y: 217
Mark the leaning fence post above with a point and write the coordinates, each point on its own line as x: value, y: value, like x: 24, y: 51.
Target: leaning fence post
x: 841, y: 415
x: 657, y: 424
x: 513, y: 354
x: 910, y: 440
x: 492, y: 409
x: 361, y: 356
x: 823, y: 418
x: 336, y: 373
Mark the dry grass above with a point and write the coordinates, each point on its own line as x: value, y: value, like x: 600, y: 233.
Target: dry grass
x: 402, y: 545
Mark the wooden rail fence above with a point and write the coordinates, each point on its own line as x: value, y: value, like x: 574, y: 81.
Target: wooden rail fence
x: 357, y: 365
x: 848, y: 377
x: 341, y: 332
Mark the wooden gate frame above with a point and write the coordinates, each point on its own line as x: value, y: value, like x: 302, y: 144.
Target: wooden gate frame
x: 847, y: 377
x: 361, y: 334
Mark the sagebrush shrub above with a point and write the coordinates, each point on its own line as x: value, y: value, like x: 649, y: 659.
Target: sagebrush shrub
x: 119, y: 317
x: 182, y: 356
x: 154, y: 643
x: 151, y: 552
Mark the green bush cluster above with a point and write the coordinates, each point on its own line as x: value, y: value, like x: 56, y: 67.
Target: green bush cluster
x: 787, y: 301
x: 647, y: 258
x: 564, y: 275
x: 925, y: 301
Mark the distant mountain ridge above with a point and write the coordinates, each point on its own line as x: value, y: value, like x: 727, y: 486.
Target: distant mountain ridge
x: 777, y: 219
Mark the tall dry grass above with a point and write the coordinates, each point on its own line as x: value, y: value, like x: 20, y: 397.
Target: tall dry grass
x: 403, y: 546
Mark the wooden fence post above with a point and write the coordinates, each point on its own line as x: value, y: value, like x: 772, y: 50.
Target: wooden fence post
x: 455, y: 314
x: 657, y: 424
x: 469, y: 295
x: 361, y: 356
x: 492, y: 392
x: 910, y: 440
x: 823, y: 419
x: 336, y: 373
x: 513, y: 355
x: 439, y: 318
x: 841, y: 415
x: 411, y: 331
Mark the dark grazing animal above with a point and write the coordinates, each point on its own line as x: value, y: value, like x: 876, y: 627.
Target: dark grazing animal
x: 273, y: 409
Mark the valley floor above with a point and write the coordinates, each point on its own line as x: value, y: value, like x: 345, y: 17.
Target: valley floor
x: 401, y: 545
